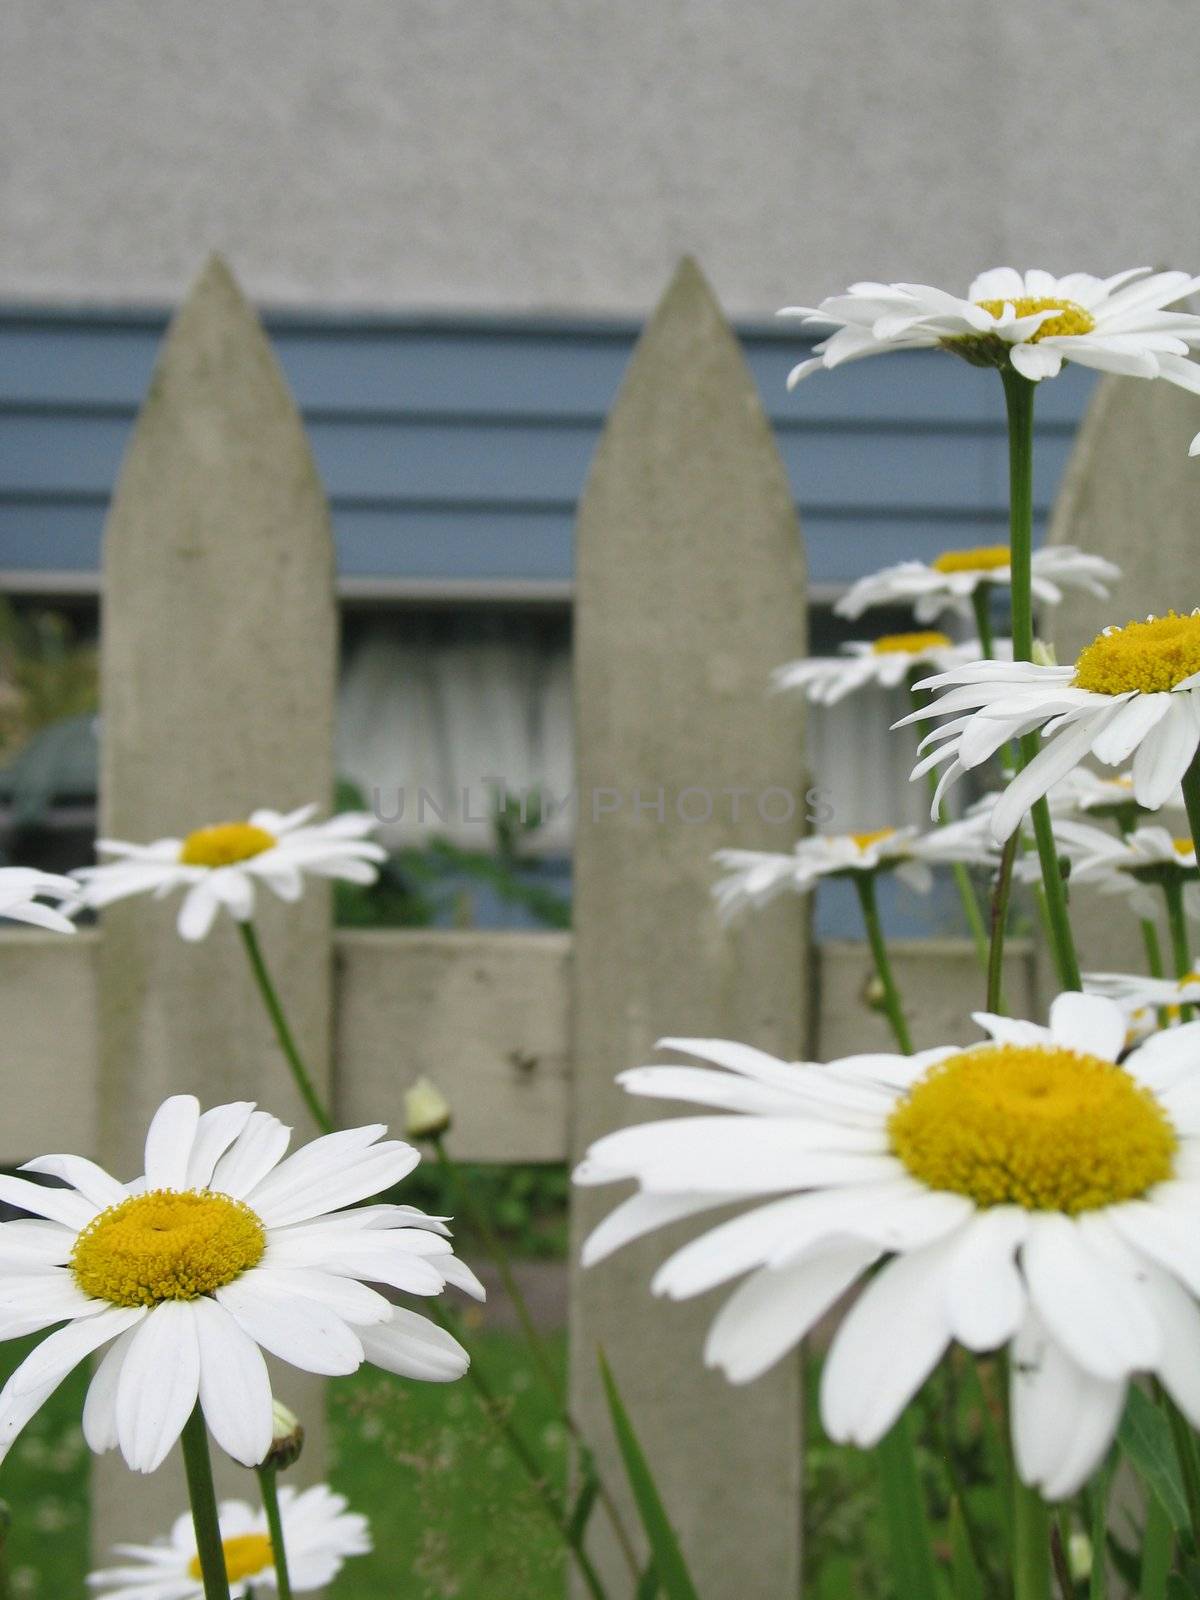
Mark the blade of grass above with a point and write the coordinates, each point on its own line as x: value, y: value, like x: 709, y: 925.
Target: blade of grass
x: 671, y: 1569
x: 1145, y: 1438
x: 904, y: 1514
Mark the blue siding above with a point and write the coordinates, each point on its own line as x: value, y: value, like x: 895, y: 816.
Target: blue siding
x: 457, y: 449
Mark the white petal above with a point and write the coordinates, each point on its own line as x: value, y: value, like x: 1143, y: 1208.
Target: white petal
x: 642, y: 1214
x: 92, y: 1181
x: 235, y: 1389
x: 197, y: 913
x: 158, y: 1385
x: 414, y: 1347
x: 1088, y: 1023
x: 985, y: 1294
x: 215, y: 1132
x: 299, y: 1331
x: 19, y: 1402
x: 1051, y: 764
x: 60, y: 1205
x: 169, y: 1142
x: 1086, y: 1302
x: 100, y: 1407
x: 773, y: 1310
x: 891, y: 1340
x: 255, y: 1152
x: 354, y: 1302
x: 1166, y: 752
x: 1063, y: 1419
x: 1129, y: 727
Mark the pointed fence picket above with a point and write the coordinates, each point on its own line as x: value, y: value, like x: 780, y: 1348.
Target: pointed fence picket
x: 218, y: 660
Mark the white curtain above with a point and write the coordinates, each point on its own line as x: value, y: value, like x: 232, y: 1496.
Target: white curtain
x: 436, y: 712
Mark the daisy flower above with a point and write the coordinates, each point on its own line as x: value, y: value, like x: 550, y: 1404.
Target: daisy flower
x: 1024, y: 1193
x: 949, y: 581
x: 19, y: 889
x: 224, y: 1248
x: 886, y: 662
x: 318, y: 1534
x: 1134, y: 865
x: 1133, y: 691
x: 1147, y: 1002
x: 1089, y: 793
x: 755, y: 877
x: 223, y: 864
x: 1032, y: 321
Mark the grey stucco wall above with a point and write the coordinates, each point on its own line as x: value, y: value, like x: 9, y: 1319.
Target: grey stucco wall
x: 561, y: 154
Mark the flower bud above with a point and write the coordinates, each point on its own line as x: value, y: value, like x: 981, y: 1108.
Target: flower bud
x: 287, y: 1438
x: 874, y: 994
x: 1043, y: 654
x: 426, y: 1111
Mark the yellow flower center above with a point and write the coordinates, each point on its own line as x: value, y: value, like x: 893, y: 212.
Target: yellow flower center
x: 166, y: 1245
x: 864, y: 841
x: 1072, y: 318
x: 1148, y: 657
x: 222, y: 845
x: 909, y: 644
x: 1033, y: 1126
x: 1183, y: 847
x: 987, y: 558
x: 246, y: 1555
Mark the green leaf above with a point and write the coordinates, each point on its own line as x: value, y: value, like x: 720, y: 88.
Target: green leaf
x: 1145, y: 1437
x: 913, y: 1566
x: 671, y: 1569
x: 967, y: 1584
x: 584, y: 1501
x: 647, y: 1587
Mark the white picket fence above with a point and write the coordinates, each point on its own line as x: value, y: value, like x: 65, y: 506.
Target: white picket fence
x: 218, y: 663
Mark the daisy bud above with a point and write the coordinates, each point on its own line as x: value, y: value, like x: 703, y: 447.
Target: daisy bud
x: 874, y: 995
x: 426, y: 1111
x: 1043, y: 654
x: 1079, y: 1556
x: 287, y: 1438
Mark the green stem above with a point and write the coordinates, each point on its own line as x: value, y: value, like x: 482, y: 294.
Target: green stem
x: 282, y: 1031
x: 904, y: 1514
x: 864, y: 882
x: 1172, y: 888
x: 198, y: 1467
x: 1053, y: 886
x: 1031, y: 1544
x: 1060, y: 1536
x: 1000, y: 899
x: 1018, y: 398
x: 267, y: 1476
x: 1154, y: 961
x: 981, y: 599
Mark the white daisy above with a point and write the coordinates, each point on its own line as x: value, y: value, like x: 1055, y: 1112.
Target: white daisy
x: 1026, y: 1192
x: 19, y: 889
x: 754, y: 877
x: 1089, y: 793
x: 318, y: 1535
x: 886, y: 662
x: 1033, y: 321
x: 949, y: 581
x: 222, y: 1247
x: 222, y: 865
x: 1134, y: 865
x: 1147, y: 1002
x: 1133, y: 691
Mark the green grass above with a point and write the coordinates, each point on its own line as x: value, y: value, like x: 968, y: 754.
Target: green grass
x: 451, y: 1514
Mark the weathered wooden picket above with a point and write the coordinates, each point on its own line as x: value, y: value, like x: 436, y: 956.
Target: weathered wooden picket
x: 219, y: 639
